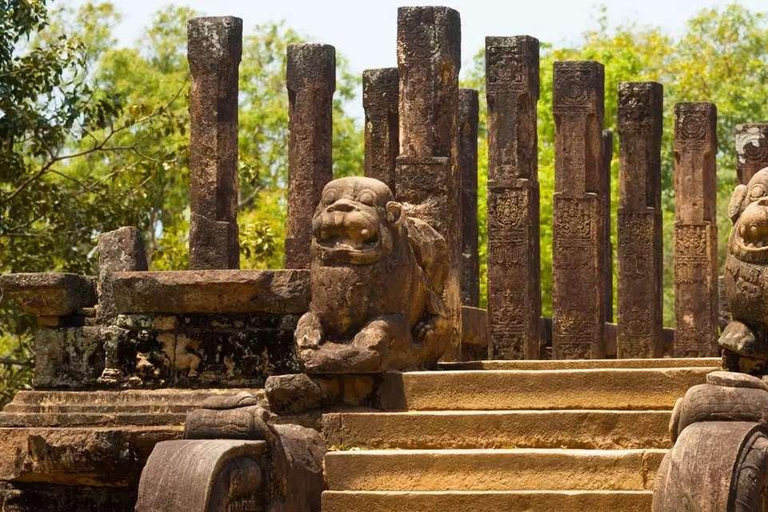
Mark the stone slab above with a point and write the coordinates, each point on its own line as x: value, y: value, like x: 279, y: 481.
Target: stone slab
x: 213, y: 291
x: 49, y: 293
x: 492, y: 470
x: 98, y: 457
x: 511, y: 501
x: 622, y: 389
x: 586, y: 429
x: 713, y: 363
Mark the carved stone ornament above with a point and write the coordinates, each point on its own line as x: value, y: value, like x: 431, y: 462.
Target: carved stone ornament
x: 376, y: 280
x: 745, y: 338
x: 719, y: 462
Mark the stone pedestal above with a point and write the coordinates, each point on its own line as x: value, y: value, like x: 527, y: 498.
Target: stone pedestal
x: 214, y: 51
x: 751, y: 149
x: 640, y: 236
x: 311, y: 79
x: 696, y: 309
x: 514, y: 288
x: 428, y: 180
x: 382, y: 141
x: 578, y: 259
x: 470, y: 261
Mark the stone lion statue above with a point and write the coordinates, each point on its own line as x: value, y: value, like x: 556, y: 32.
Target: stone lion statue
x: 746, y: 278
x: 377, y: 278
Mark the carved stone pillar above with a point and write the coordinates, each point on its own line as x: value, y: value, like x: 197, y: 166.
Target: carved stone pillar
x: 696, y: 309
x: 470, y: 261
x: 578, y: 259
x: 640, y: 237
x: 514, y: 288
x: 382, y: 142
x: 311, y: 80
x: 428, y: 181
x: 214, y: 51
x: 751, y: 149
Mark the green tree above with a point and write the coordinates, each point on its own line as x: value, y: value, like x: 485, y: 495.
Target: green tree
x: 721, y: 57
x: 95, y: 136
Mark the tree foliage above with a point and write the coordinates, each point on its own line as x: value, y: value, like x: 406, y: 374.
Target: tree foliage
x: 721, y: 58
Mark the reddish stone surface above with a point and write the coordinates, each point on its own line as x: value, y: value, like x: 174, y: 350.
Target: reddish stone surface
x: 214, y: 51
x: 578, y: 259
x: 640, y: 236
x: 751, y: 149
x: 470, y: 261
x: 696, y: 311
x: 428, y: 181
x: 514, y: 288
x: 382, y: 141
x: 311, y: 79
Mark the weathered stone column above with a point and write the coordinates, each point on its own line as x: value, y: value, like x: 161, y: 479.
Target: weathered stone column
x: 695, y: 230
x: 640, y: 122
x: 428, y: 181
x: 605, y: 173
x: 578, y: 258
x: 751, y: 149
x: 382, y: 141
x: 514, y: 288
x: 214, y: 50
x: 311, y: 80
x: 469, y: 110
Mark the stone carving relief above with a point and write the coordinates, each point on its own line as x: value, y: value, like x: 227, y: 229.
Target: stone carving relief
x: 744, y: 338
x: 376, y: 280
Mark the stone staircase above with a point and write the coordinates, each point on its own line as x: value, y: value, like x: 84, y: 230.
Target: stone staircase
x: 523, y: 436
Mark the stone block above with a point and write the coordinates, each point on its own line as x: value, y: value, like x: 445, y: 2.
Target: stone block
x: 49, y: 293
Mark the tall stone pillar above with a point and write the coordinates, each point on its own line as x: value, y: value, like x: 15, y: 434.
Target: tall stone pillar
x: 469, y: 111
x: 428, y: 181
x: 214, y: 49
x: 751, y: 149
x: 382, y: 141
x: 514, y: 288
x: 605, y: 173
x: 695, y: 230
x: 311, y: 80
x: 578, y: 259
x: 640, y: 122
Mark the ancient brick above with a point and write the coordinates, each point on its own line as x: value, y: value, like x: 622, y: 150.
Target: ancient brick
x: 514, y: 291
x: 640, y: 237
x: 50, y: 294
x: 696, y: 310
x: 311, y: 81
x: 578, y: 257
x: 470, y: 261
x: 751, y: 149
x: 428, y: 181
x: 382, y: 141
x: 214, y: 52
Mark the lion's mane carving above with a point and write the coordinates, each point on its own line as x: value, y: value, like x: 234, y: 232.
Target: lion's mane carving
x: 377, y: 278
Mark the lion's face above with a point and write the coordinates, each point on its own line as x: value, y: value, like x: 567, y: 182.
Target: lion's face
x: 748, y: 210
x: 354, y: 221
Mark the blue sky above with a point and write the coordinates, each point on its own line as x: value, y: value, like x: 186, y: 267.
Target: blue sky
x: 365, y: 31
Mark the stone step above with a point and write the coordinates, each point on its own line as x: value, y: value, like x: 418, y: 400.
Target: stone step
x: 14, y: 419
x: 107, y: 408
x: 597, y: 388
x: 714, y: 363
x: 492, y: 470
x: 510, y: 501
x: 587, y: 429
x: 176, y: 396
